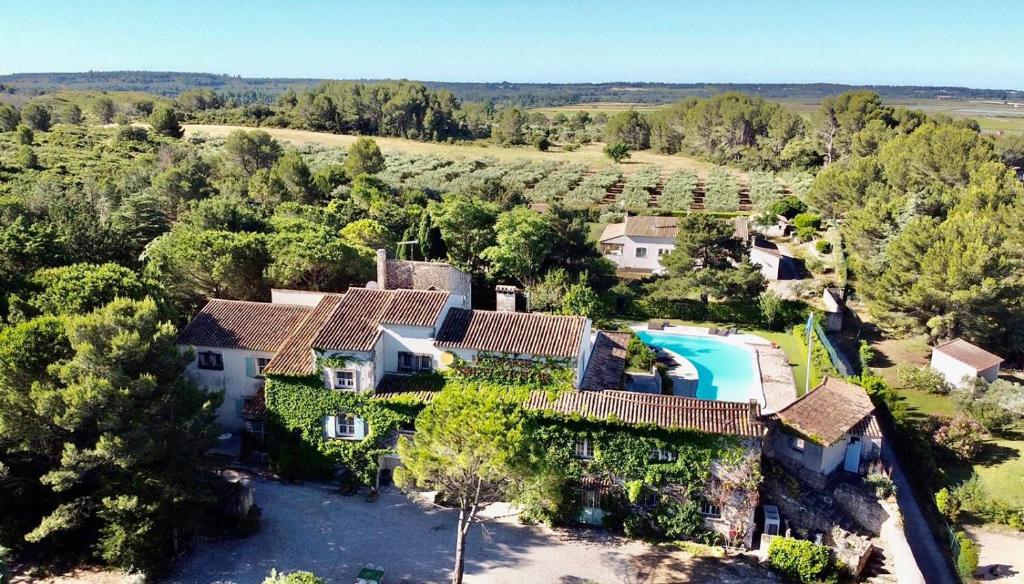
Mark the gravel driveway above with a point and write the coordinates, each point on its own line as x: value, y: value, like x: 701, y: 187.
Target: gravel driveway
x: 308, y: 527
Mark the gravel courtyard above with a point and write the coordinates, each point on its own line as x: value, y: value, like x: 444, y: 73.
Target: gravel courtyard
x: 308, y: 527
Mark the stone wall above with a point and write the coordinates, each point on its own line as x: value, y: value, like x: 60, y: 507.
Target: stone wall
x: 861, y: 505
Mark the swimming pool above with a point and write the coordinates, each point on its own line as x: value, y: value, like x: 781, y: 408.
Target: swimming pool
x: 726, y: 371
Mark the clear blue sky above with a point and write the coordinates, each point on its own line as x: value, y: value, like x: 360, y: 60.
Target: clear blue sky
x: 973, y: 43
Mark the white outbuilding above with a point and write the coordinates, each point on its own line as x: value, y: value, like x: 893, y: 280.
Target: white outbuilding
x: 957, y: 361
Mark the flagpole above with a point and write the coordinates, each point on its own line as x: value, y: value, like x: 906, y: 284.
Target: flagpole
x: 810, y: 341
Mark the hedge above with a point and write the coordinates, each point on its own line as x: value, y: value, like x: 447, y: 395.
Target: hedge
x: 802, y: 561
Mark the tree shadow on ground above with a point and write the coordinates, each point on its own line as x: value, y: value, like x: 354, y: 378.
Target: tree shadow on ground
x: 993, y: 454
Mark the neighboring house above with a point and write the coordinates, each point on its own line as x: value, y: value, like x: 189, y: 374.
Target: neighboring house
x: 638, y: 243
x: 831, y: 429
x: 766, y: 255
x: 961, y: 362
x: 832, y: 298
x: 781, y: 228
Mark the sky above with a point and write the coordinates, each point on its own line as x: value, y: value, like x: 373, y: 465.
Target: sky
x: 904, y: 42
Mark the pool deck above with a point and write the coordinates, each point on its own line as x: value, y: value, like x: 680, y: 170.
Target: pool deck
x: 778, y: 385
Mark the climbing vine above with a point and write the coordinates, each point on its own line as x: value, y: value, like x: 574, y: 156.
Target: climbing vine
x: 550, y: 375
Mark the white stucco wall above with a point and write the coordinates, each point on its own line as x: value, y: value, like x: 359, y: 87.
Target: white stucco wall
x: 233, y: 380
x: 628, y: 257
x: 768, y: 263
x: 412, y: 339
x: 360, y: 362
x: 832, y: 457
x: 953, y: 370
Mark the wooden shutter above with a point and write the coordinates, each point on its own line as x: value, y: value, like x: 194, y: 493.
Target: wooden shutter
x: 250, y: 366
x: 329, y: 426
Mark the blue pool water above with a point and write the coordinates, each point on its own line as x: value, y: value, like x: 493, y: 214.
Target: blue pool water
x: 725, y: 371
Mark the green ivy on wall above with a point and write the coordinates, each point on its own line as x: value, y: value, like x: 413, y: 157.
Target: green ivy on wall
x: 297, y: 444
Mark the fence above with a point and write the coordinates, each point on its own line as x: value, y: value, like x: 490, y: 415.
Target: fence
x: 839, y: 361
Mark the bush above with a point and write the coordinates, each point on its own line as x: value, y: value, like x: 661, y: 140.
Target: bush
x: 276, y: 577
x: 27, y: 158
x: 802, y: 561
x: 638, y: 355
x: 922, y: 379
x: 865, y: 354
x: 948, y: 504
x: 823, y: 247
x: 958, y: 438
x: 967, y: 560
x: 882, y: 483
x: 807, y: 220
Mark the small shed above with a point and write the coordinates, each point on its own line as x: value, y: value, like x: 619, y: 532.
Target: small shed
x: 961, y: 362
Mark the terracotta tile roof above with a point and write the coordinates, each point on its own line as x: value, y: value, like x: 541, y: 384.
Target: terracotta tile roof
x: 667, y: 411
x: 607, y: 362
x: 741, y: 228
x: 516, y: 333
x: 353, y: 324
x: 867, y: 427
x: 968, y: 354
x: 295, y: 357
x: 828, y: 412
x: 420, y: 387
x: 644, y: 226
x: 613, y: 230
x: 234, y: 324
x: 255, y: 408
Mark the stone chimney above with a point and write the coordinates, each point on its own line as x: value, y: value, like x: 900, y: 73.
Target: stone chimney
x: 505, y: 298
x: 382, y: 269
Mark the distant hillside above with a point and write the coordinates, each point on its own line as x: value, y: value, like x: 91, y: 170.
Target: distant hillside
x: 525, y: 94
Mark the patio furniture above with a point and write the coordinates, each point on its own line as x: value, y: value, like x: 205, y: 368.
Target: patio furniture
x: 370, y: 574
x: 713, y: 331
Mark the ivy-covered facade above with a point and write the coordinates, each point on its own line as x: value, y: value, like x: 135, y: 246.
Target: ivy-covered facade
x: 344, y: 383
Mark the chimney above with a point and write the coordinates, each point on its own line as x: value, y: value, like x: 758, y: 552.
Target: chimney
x: 505, y: 298
x: 755, y: 410
x: 382, y: 269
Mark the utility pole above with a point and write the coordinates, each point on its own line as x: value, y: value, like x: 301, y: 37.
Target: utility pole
x: 810, y: 345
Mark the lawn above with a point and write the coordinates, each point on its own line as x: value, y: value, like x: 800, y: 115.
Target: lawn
x: 1001, y: 463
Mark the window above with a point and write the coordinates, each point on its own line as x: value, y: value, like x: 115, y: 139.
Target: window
x: 662, y: 251
x: 584, y: 449
x: 663, y: 455
x: 261, y: 364
x: 211, y: 360
x: 256, y: 428
x: 344, y: 426
x: 797, y: 443
x: 707, y: 509
x: 649, y: 500
x: 641, y: 252
x: 412, y: 363
x: 344, y: 379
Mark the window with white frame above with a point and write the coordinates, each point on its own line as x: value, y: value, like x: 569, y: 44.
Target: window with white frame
x: 584, y: 448
x: 211, y: 360
x: 710, y: 510
x: 261, y: 364
x: 344, y: 426
x: 663, y: 455
x: 797, y: 443
x: 344, y: 379
x: 663, y: 251
x: 413, y: 363
x: 640, y: 252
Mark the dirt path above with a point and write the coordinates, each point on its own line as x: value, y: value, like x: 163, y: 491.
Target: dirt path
x: 1001, y: 558
x: 590, y: 154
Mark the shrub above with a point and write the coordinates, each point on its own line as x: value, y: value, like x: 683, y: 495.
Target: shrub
x: 276, y: 577
x: 618, y: 151
x: 27, y: 158
x: 967, y: 560
x: 960, y: 437
x: 677, y: 192
x: 948, y: 504
x: 882, y: 483
x: 865, y: 354
x: 802, y: 561
x: 638, y: 355
x: 823, y: 247
x: 721, y: 192
x: 807, y: 220
x: 922, y: 379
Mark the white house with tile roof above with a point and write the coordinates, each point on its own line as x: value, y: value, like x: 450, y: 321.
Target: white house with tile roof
x: 960, y: 362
